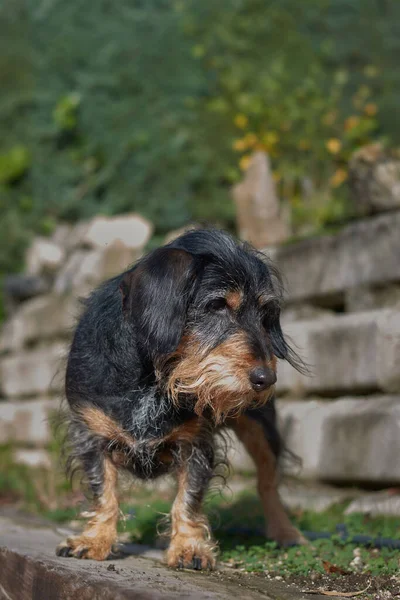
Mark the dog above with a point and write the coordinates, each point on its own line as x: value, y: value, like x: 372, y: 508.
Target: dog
x: 179, y: 347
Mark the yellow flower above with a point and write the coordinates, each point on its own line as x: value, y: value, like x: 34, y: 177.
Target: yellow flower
x: 244, y: 162
x: 239, y: 145
x: 241, y: 121
x: 338, y: 177
x: 333, y: 145
x: 351, y: 122
x: 370, y: 109
x: 251, y: 139
x: 270, y: 138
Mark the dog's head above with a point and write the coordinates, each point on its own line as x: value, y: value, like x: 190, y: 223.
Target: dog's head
x: 206, y: 309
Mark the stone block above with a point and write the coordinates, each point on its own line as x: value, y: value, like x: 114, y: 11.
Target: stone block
x: 44, y: 317
x: 32, y: 457
x: 358, y: 352
x: 132, y: 230
x: 85, y: 269
x: 380, y: 503
x: 345, y: 440
x: 259, y: 217
x: 321, y: 269
x: 27, y: 421
x: 361, y: 298
x: 374, y: 179
x: 34, y: 372
x: 43, y: 256
x: 237, y: 456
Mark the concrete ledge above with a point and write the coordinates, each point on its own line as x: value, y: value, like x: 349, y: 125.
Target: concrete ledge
x: 34, y: 372
x: 321, y: 269
x: 357, y: 353
x: 41, y: 318
x: 29, y: 570
x: 351, y: 439
x: 26, y: 422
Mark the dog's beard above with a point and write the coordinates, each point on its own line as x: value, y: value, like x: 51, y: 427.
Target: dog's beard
x: 218, y: 380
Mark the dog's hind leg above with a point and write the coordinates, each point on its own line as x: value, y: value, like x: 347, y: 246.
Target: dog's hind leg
x: 252, y: 434
x: 191, y: 545
x: 101, y: 531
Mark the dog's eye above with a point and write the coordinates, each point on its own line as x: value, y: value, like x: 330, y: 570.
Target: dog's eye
x: 217, y: 304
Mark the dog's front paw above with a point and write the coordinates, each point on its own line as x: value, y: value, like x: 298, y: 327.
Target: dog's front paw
x: 191, y: 553
x: 84, y: 547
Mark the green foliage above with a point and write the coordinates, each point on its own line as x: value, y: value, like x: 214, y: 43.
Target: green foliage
x: 13, y: 164
x: 154, y: 106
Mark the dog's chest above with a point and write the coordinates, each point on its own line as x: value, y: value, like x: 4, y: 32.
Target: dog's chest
x: 151, y: 457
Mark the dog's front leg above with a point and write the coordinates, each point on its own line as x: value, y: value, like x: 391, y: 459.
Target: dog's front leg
x: 100, y: 532
x: 191, y: 544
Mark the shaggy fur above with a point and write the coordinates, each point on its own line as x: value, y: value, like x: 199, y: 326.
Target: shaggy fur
x: 178, y: 347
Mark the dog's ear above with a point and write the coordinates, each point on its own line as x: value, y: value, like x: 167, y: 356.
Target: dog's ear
x: 283, y: 350
x: 155, y: 297
x: 278, y: 342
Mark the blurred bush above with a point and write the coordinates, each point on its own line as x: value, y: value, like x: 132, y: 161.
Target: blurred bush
x: 155, y: 105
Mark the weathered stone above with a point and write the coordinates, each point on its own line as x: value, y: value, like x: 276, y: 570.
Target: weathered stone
x: 43, y: 256
x: 85, y: 269
x: 259, y: 217
x: 388, y: 351
x: 350, y: 439
x: 29, y: 570
x: 322, y: 269
x: 313, y: 496
x: 66, y: 278
x: 374, y: 179
x: 44, y: 317
x: 359, y: 352
x: 376, y: 503
x: 38, y: 371
x: 134, y: 231
x: 26, y: 421
x: 19, y: 288
x: 303, y: 312
x: 364, y: 297
x: 32, y: 457
x: 237, y: 456
x: 61, y: 235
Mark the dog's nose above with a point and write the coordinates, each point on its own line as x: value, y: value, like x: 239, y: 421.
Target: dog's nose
x: 262, y: 378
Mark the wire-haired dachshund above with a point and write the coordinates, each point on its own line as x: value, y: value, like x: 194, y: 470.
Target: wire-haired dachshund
x: 165, y: 355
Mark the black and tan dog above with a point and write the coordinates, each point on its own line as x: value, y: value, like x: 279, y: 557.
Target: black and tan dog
x: 165, y: 355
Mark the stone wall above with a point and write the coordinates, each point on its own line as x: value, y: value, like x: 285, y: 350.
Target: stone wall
x: 44, y: 304
x: 342, y: 314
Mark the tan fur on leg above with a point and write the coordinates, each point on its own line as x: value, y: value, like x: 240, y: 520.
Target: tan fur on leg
x: 191, y: 544
x: 100, y: 532
x: 252, y: 435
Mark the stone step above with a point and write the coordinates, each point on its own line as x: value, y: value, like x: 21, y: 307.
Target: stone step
x: 33, y: 372
x: 30, y: 570
x: 27, y: 422
x: 356, y: 352
x: 321, y: 269
x: 45, y: 317
x: 345, y: 440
